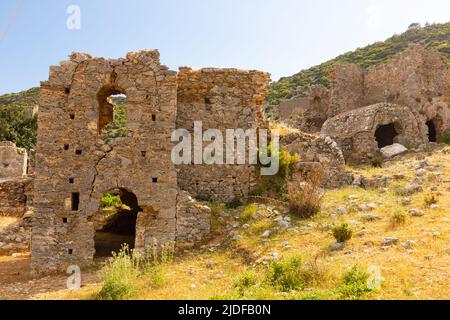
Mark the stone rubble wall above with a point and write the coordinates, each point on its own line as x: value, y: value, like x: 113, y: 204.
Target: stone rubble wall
x: 354, y: 131
x: 222, y: 99
x: 13, y: 160
x: 316, y: 150
x: 13, y: 196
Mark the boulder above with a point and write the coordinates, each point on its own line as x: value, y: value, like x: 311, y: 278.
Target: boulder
x: 393, y: 150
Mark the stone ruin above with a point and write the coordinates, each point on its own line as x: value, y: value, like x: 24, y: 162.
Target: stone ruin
x: 405, y: 100
x: 75, y: 166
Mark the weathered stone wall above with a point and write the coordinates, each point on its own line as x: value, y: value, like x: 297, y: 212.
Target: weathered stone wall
x: 13, y: 160
x: 313, y: 150
x: 13, y: 196
x: 222, y: 99
x: 354, y: 131
x: 72, y: 158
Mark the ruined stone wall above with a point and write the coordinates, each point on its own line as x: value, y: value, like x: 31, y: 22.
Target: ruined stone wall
x: 72, y: 158
x: 222, y: 99
x: 347, y: 89
x: 13, y: 160
x: 354, y: 131
x: 13, y: 196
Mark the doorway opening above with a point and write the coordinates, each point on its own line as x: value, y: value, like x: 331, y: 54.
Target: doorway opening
x: 115, y: 223
x: 432, y: 132
x: 385, y: 135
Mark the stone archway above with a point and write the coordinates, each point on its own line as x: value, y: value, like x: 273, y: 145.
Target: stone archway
x: 385, y: 135
x: 432, y: 131
x: 115, y: 223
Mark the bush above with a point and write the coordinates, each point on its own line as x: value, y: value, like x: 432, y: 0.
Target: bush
x: 398, y: 217
x: 305, y: 200
x: 248, y: 213
x: 203, y: 197
x: 430, y: 199
x: 235, y: 203
x: 354, y: 284
x: 377, y: 161
x: 445, y: 139
x: 110, y: 200
x: 342, y: 232
x: 289, y: 274
x: 246, y: 280
x: 286, y: 160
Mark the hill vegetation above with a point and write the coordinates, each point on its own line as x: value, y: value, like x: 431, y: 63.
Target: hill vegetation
x: 431, y: 36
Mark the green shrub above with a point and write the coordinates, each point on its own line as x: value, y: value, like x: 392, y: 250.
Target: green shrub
x: 235, y: 203
x: 287, y: 161
x: 430, y: 199
x: 377, y: 161
x: 110, y: 200
x: 246, y: 280
x: 445, y: 139
x: 203, y: 197
x: 342, y: 232
x: 398, y: 217
x: 119, y: 277
x: 354, y: 284
x: 289, y: 274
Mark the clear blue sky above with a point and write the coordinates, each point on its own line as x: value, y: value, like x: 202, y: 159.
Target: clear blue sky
x: 278, y: 36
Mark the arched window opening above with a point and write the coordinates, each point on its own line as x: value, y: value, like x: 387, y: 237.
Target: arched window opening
x: 385, y: 135
x: 115, y: 223
x: 112, y: 115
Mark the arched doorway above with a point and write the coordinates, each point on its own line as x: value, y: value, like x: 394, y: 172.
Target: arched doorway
x: 115, y: 223
x: 385, y: 135
x: 432, y: 132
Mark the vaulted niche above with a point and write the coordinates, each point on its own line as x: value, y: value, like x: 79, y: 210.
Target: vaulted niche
x: 385, y: 135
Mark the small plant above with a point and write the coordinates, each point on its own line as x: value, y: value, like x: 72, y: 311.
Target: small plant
x: 342, y: 232
x: 430, y: 199
x: 110, y: 200
x: 246, y: 280
x: 235, y: 203
x: 445, y: 139
x: 248, y: 213
x: 398, y: 218
x: 377, y: 161
x: 290, y: 274
x: 305, y: 200
x: 287, y: 160
x: 203, y: 197
x: 354, y: 284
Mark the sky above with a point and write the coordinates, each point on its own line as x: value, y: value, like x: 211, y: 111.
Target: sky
x: 278, y: 36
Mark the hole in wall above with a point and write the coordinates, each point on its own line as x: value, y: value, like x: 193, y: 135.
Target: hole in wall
x: 78, y: 152
x: 71, y: 180
x: 75, y: 201
x: 115, y: 223
x: 66, y: 147
x: 64, y: 220
x: 385, y: 135
x: 70, y: 251
x: 72, y: 116
x: 432, y: 132
x: 153, y: 117
x: 155, y: 180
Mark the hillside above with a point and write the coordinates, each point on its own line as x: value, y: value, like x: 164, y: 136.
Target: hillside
x: 432, y: 36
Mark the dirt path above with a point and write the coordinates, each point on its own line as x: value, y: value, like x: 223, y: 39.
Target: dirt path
x: 17, y: 282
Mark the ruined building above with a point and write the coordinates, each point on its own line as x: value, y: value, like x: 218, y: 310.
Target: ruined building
x: 405, y: 100
x: 75, y: 167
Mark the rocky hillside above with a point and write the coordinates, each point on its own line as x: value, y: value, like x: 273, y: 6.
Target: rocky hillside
x: 432, y: 36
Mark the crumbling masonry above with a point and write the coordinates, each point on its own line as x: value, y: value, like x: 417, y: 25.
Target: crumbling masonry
x: 75, y: 166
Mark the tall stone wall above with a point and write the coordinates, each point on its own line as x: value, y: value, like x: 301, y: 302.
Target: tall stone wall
x: 222, y: 99
x: 72, y: 160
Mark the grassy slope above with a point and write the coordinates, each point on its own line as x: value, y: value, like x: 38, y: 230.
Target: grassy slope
x: 418, y: 273
x: 433, y: 36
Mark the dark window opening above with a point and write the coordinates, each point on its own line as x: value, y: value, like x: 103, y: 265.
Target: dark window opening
x: 112, y: 117
x: 153, y: 117
x: 208, y: 101
x: 64, y: 220
x: 70, y: 251
x: 144, y: 153
x: 432, y: 133
x: 67, y: 90
x: 72, y: 116
x: 155, y: 180
x: 66, y: 147
x: 78, y: 152
x: 75, y: 201
x: 115, y: 224
x: 71, y: 180
x: 385, y: 135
